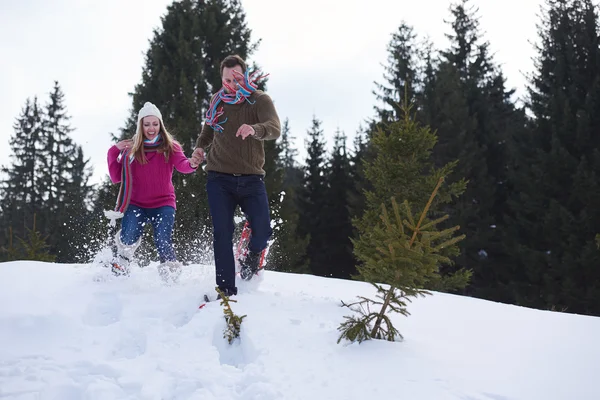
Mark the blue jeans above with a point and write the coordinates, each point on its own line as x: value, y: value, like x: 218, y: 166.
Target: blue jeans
x: 162, y: 220
x: 225, y: 192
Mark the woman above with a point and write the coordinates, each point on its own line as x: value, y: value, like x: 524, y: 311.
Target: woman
x: 144, y: 167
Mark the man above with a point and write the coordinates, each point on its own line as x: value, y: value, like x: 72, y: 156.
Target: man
x: 238, y: 120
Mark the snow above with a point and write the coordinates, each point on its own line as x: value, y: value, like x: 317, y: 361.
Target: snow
x: 66, y: 334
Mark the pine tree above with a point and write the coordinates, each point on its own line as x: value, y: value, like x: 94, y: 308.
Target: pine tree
x: 312, y: 199
x: 8, y: 251
x: 466, y: 102
x: 359, y: 183
x: 288, y: 251
x: 58, y: 149
x: 78, y: 208
x: 426, y: 99
x: 273, y: 171
x: 22, y: 195
x: 181, y: 73
x: 65, y: 179
x: 292, y: 173
x: 48, y: 179
x: 554, y: 213
x: 403, y: 73
x: 339, y: 260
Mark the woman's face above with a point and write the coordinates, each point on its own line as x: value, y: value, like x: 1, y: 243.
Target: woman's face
x: 151, y: 127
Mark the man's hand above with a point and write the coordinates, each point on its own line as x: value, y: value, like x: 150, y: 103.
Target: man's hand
x: 244, y: 131
x: 197, y: 157
x: 124, y: 144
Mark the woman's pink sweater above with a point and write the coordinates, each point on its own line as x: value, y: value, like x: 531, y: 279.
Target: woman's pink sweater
x: 152, y: 183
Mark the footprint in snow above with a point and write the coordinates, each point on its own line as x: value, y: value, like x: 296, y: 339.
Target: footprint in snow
x: 239, y: 353
x: 131, y: 344
x: 104, y: 309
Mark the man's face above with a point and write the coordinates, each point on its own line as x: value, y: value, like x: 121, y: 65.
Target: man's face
x: 230, y: 79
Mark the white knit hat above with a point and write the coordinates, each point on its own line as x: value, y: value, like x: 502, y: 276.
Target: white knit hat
x: 149, y: 109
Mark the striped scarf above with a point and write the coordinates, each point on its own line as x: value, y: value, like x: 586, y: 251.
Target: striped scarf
x: 248, y: 85
x: 127, y: 180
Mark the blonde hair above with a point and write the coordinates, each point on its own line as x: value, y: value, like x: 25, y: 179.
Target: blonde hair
x: 167, y: 146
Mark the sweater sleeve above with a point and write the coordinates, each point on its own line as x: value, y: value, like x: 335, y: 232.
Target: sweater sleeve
x: 114, y: 165
x: 206, y: 137
x: 269, y: 126
x: 180, y: 161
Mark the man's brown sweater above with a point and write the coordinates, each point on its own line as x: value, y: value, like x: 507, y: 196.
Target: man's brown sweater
x: 231, y: 154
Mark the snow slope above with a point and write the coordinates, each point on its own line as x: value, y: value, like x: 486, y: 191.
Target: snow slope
x: 66, y: 335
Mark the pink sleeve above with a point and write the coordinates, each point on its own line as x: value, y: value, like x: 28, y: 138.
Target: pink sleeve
x: 180, y: 161
x: 114, y: 166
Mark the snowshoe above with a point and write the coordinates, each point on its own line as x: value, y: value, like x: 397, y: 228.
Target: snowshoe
x: 250, y: 265
x: 119, y: 269
x: 226, y: 292
x: 170, y: 271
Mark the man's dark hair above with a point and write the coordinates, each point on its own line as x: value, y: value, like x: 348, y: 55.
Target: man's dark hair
x: 231, y: 61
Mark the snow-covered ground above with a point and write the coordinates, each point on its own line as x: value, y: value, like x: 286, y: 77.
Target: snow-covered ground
x: 65, y: 335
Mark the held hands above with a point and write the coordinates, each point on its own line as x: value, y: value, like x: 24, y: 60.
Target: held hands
x: 197, y: 157
x: 244, y: 131
x: 124, y: 144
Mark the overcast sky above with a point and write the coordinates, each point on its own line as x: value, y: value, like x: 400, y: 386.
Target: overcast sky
x: 322, y: 55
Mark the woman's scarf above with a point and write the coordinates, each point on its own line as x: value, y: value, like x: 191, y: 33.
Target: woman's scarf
x: 244, y: 90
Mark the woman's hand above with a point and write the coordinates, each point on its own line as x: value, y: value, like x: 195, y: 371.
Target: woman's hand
x: 197, y: 157
x: 124, y: 144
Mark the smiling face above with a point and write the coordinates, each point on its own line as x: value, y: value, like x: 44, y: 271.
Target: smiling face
x: 150, y: 127
x: 229, y: 78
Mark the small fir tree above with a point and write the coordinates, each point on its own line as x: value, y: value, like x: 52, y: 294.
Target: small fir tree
x: 402, y: 168
x: 33, y: 246
x: 406, y: 255
x: 234, y: 322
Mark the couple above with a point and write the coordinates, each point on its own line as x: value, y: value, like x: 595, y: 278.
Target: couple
x: 238, y: 120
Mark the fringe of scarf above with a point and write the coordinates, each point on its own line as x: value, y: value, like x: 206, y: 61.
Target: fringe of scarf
x: 237, y: 96
x: 124, y: 195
